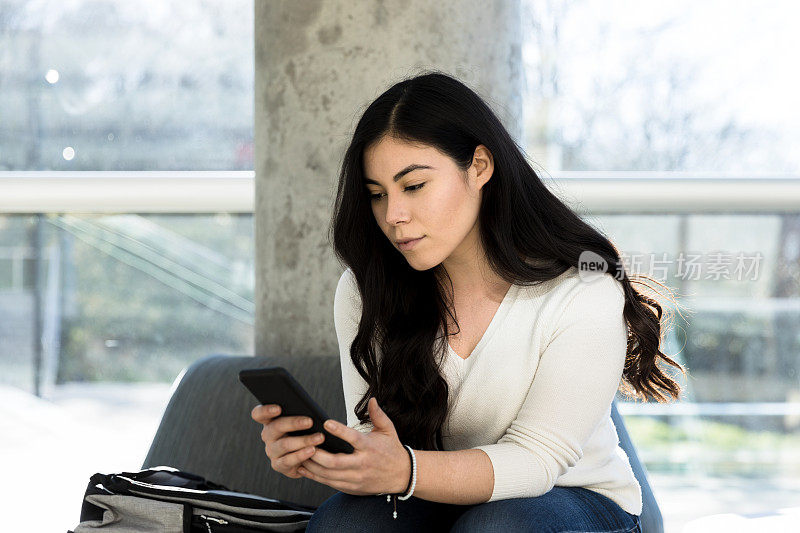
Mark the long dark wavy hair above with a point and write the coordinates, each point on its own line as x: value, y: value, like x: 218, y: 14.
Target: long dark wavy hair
x: 530, y: 236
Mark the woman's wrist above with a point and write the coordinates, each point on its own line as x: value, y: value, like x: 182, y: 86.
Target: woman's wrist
x: 403, y: 479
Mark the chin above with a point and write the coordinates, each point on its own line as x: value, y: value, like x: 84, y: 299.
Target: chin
x: 420, y: 263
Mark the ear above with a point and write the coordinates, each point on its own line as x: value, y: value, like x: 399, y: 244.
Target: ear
x: 482, y: 165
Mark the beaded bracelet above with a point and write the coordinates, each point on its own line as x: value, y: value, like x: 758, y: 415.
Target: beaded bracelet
x: 412, y: 482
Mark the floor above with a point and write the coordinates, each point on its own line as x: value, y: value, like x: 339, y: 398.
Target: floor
x: 87, y: 428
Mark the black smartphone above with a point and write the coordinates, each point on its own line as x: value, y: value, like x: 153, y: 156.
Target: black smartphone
x: 275, y: 385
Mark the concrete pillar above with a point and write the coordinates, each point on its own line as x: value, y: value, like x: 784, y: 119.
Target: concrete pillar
x: 318, y: 64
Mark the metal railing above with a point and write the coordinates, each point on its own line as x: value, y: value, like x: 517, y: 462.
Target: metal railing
x: 127, y: 192
x: 234, y: 192
x: 710, y: 409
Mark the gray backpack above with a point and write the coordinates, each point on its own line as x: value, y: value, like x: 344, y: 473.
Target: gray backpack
x: 166, y: 500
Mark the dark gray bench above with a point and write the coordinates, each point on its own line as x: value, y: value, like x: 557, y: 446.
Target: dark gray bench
x: 206, y: 429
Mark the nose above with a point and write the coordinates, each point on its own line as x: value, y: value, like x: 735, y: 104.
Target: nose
x: 396, y: 210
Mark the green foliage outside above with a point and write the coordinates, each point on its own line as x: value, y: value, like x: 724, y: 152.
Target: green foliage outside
x: 715, y: 448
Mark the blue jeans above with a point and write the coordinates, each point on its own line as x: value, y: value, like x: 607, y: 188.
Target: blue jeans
x: 562, y: 509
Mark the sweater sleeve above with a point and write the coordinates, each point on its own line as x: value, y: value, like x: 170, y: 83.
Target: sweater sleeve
x: 346, y: 318
x: 575, y: 382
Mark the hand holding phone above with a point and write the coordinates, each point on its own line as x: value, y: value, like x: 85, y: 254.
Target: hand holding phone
x: 286, y: 453
x: 290, y: 432
x: 276, y: 386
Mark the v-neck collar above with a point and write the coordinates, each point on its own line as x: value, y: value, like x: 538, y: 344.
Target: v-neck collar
x: 497, y: 319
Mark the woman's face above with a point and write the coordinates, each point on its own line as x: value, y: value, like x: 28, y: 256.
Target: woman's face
x: 431, y: 199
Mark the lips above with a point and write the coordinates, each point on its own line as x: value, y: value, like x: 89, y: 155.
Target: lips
x: 403, y: 241
x: 409, y: 245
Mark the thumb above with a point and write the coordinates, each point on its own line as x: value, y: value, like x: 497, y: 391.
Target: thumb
x: 380, y: 420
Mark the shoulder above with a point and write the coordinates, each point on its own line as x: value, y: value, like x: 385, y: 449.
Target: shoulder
x: 347, y: 284
x: 594, y: 302
x: 347, y: 295
x: 593, y: 293
x: 347, y: 280
x: 574, y: 297
x: 572, y: 285
x: 596, y: 288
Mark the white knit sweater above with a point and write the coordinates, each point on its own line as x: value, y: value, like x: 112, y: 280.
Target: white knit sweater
x: 535, y: 394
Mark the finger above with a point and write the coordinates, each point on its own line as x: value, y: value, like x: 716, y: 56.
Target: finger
x: 348, y: 434
x: 265, y: 413
x: 285, y: 424
x: 278, y: 428
x: 286, y: 445
x: 294, y: 459
x: 305, y: 472
x: 319, y: 475
x: 378, y: 416
x: 335, y: 461
x: 313, y: 470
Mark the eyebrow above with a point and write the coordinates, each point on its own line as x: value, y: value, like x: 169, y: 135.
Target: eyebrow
x: 410, y: 168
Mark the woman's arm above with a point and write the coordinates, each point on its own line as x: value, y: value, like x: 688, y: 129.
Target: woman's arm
x: 463, y: 477
x: 346, y: 317
x: 576, y: 380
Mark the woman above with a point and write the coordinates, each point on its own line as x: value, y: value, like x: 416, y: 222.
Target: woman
x: 480, y: 360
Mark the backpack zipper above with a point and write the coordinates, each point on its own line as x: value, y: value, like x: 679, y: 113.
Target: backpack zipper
x: 213, y: 519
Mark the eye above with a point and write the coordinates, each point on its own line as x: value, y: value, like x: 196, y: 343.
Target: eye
x: 412, y: 188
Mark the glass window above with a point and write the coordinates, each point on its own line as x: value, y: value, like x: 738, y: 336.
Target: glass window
x: 662, y: 86
x: 121, y: 298
x: 147, y: 85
